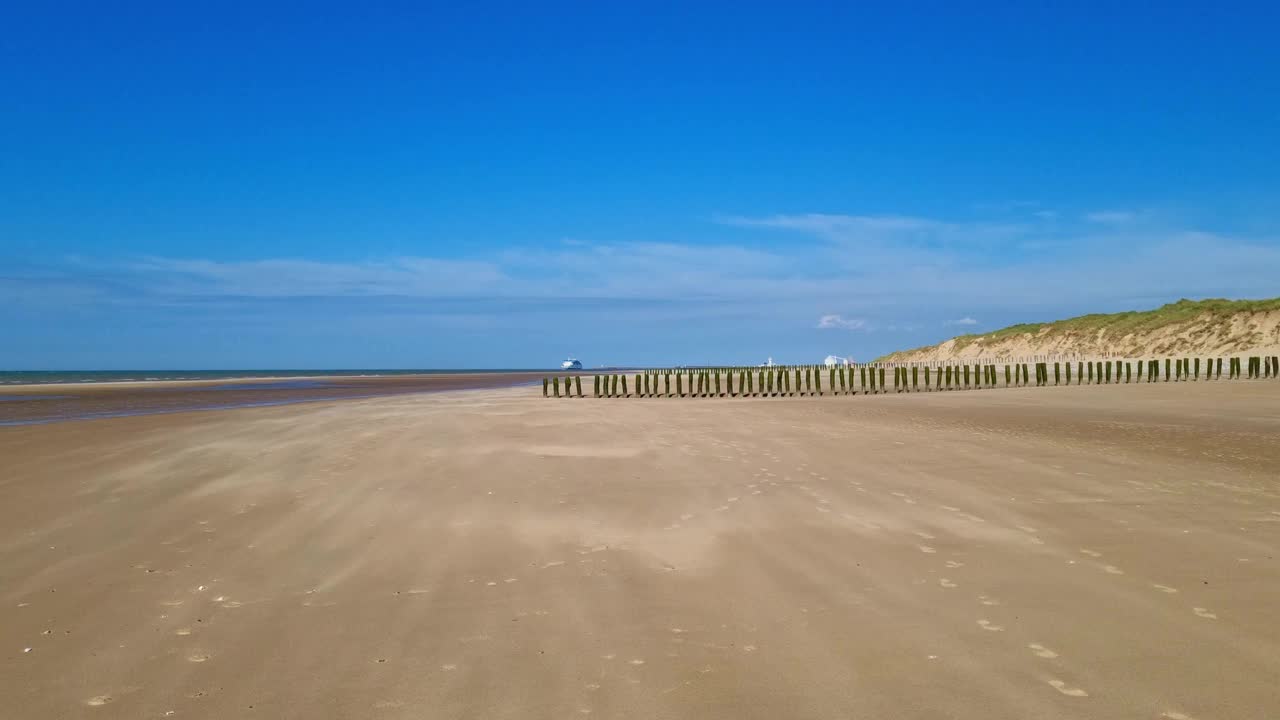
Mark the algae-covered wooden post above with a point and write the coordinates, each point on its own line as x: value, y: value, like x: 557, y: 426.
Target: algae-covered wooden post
x: 555, y: 385
x: 544, y: 387
x: 577, y: 383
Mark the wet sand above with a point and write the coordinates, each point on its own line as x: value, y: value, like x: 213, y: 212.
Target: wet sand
x: 31, y: 404
x: 1084, y: 552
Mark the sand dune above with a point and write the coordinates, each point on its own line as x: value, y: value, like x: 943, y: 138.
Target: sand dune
x: 1035, y: 553
x: 1217, y: 328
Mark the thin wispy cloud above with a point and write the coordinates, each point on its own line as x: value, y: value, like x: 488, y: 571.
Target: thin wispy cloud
x: 879, y: 270
x: 1111, y: 217
x: 839, y: 322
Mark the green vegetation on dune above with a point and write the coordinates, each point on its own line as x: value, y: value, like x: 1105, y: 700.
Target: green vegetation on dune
x: 1115, y: 325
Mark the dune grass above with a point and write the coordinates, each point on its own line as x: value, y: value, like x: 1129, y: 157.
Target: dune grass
x: 1116, y: 325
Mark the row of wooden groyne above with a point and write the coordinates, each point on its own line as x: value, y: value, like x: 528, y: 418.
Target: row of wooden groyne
x: 875, y: 378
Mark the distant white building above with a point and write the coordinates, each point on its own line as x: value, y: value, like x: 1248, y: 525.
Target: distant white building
x: 837, y: 361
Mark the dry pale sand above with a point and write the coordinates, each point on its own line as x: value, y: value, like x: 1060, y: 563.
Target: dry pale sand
x: 1084, y: 552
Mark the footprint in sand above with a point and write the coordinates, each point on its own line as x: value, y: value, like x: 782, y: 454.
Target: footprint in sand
x: 98, y: 700
x: 987, y: 601
x: 946, y: 583
x: 197, y: 658
x: 182, y: 631
x: 1091, y: 553
x: 636, y: 661
x: 988, y: 625
x: 1066, y: 689
x: 1175, y: 715
x: 1042, y: 651
x: 1113, y: 570
x: 926, y: 549
x: 1204, y: 613
x: 1164, y: 588
x: 953, y: 564
x: 924, y: 535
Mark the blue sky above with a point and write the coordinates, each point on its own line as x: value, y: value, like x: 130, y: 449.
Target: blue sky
x: 471, y: 185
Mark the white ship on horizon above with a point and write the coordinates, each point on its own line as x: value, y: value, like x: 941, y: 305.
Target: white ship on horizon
x: 571, y: 364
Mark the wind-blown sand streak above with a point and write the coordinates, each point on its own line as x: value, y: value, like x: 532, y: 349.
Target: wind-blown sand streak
x: 489, y: 554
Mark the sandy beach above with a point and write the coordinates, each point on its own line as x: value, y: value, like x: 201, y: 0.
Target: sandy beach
x: 1083, y: 552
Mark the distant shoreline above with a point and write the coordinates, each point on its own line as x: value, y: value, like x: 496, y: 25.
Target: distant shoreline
x: 39, y: 404
x: 10, y: 379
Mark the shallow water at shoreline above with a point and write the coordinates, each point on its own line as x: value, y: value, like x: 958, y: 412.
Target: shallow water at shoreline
x: 47, y: 377
x: 40, y: 406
